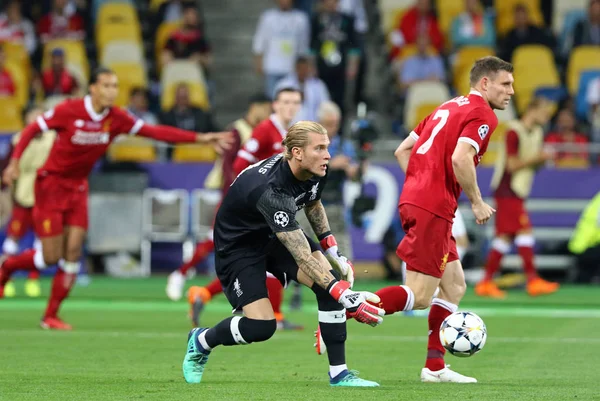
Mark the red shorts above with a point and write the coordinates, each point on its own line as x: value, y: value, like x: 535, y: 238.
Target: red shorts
x: 428, y: 244
x: 59, y: 203
x: 511, y: 216
x: 20, y: 222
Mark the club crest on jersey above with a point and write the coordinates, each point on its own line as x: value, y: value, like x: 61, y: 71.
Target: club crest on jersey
x: 252, y: 145
x: 313, y: 192
x: 79, y: 123
x: 483, y: 131
x: 281, y: 218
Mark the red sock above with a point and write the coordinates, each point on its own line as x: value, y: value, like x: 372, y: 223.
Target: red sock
x: 275, y: 295
x: 61, y: 286
x: 395, y: 298
x: 34, y: 274
x: 202, y: 250
x: 527, y: 255
x: 435, y: 349
x: 493, y: 264
x: 214, y: 287
x: 22, y: 261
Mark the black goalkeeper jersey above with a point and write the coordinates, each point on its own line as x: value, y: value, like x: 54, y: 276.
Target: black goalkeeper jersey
x: 262, y: 200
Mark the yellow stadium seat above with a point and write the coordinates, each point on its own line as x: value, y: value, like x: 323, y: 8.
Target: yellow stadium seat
x: 182, y: 71
x: 162, y: 36
x: 122, y: 51
x: 193, y: 153
x: 117, y: 14
x: 505, y: 11
x: 10, y: 114
x: 423, y: 93
x: 132, y: 149
x: 21, y: 82
x: 465, y: 57
x: 534, y: 68
x: 130, y: 76
x: 412, y: 50
x: 17, y: 53
x: 447, y: 11
x: 573, y: 163
x: 582, y: 58
x: 498, y: 136
x: 198, y: 96
x: 117, y: 32
x: 424, y: 109
x: 75, y: 57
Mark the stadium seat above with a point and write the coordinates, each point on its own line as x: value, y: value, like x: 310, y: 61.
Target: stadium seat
x: 181, y: 71
x: 489, y: 157
x: 16, y: 52
x: 162, y: 36
x: 391, y: 12
x: 21, y: 82
x: 562, y: 8
x: 424, y: 109
x: 75, y: 55
x: 117, y: 32
x: 581, y: 105
x: 447, y: 11
x: 96, y: 4
x: 10, y: 115
x: 132, y: 149
x: 122, y: 51
x: 534, y: 68
x: 117, y: 13
x: 582, y: 58
x: 131, y: 75
x: 192, y: 153
x: 505, y: 14
x: 423, y: 93
x: 412, y: 50
x: 52, y: 101
x: 465, y: 57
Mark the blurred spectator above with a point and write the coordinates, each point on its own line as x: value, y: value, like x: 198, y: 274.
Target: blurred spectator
x: 15, y: 28
x: 138, y: 106
x: 282, y: 35
x: 333, y: 42
x: 343, y: 166
x: 564, y: 135
x: 356, y: 9
x: 587, y: 31
x: 189, y: 41
x: 56, y: 79
x: 314, y: 91
x: 61, y: 23
x: 185, y: 116
x: 421, y: 67
x: 473, y: 27
x: 171, y: 11
x: 306, y: 6
x: 585, y: 243
x: 418, y: 19
x: 525, y: 33
x: 593, y: 101
x: 7, y: 85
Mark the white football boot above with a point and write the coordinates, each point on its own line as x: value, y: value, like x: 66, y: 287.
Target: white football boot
x: 445, y: 376
x: 175, y: 284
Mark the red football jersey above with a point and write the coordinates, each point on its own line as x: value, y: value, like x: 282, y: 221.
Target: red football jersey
x: 265, y: 142
x: 82, y: 135
x: 430, y: 182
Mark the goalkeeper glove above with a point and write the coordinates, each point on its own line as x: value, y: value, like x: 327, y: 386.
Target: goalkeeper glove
x: 357, y: 303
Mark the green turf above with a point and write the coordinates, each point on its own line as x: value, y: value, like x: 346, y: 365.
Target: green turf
x: 129, y: 343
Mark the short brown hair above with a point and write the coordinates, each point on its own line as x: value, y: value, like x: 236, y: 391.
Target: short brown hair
x: 297, y: 136
x: 488, y: 66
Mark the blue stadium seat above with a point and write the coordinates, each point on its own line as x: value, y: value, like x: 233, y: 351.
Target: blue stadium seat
x: 581, y: 106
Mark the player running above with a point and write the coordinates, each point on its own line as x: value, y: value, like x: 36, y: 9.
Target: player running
x: 264, y: 142
x: 21, y: 220
x: 85, y: 128
x: 256, y: 231
x: 519, y: 157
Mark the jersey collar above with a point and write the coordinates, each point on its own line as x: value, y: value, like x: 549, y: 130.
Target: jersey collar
x: 87, y: 102
x: 277, y: 124
x: 475, y: 92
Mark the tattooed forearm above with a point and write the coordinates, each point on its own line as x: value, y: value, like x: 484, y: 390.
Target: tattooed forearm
x: 298, y: 246
x: 315, y: 213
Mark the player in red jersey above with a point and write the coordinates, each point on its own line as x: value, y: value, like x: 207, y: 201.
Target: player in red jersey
x: 439, y: 159
x: 85, y: 128
x: 265, y: 142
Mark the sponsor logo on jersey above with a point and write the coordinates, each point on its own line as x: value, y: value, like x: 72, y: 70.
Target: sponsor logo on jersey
x: 47, y: 225
x: 444, y: 262
x: 313, y: 192
x: 483, y: 130
x: 237, y: 288
x: 90, y: 138
x: 281, y: 218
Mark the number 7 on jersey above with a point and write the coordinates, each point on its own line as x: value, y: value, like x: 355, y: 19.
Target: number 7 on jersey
x: 442, y: 115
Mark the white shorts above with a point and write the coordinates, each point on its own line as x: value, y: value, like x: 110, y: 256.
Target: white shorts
x: 458, y: 227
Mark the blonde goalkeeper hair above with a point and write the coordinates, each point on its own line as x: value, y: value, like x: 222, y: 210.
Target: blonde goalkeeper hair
x: 297, y: 136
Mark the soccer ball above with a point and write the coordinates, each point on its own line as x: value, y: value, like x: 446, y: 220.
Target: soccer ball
x: 463, y: 334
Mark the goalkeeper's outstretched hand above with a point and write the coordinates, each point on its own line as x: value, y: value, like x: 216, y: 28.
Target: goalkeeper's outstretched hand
x: 358, y: 303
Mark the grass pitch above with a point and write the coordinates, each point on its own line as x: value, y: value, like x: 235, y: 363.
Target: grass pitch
x: 129, y: 342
